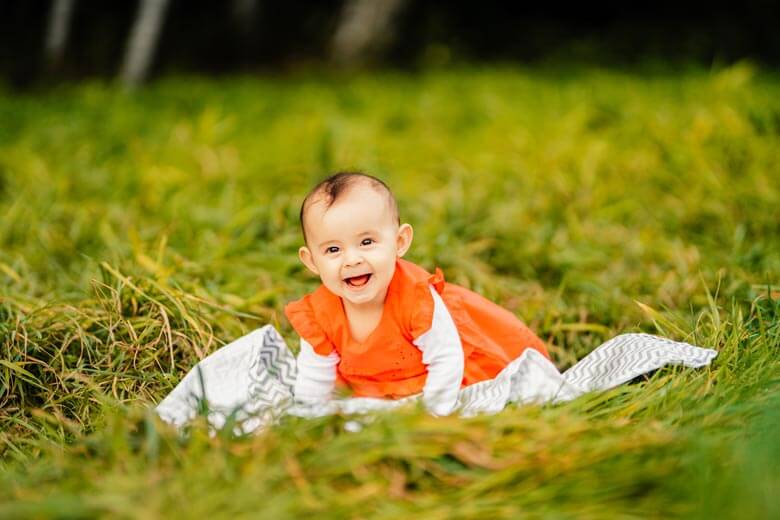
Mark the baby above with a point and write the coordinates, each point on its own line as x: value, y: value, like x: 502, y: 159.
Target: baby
x: 379, y: 324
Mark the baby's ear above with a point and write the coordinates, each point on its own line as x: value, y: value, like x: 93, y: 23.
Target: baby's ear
x: 404, y: 239
x: 305, y: 255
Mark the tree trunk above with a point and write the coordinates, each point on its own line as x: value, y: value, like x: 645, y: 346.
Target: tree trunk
x: 365, y: 27
x: 244, y: 12
x: 57, y: 31
x: 143, y: 40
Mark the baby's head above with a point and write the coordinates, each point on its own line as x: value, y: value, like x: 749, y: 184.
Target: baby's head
x: 353, y: 236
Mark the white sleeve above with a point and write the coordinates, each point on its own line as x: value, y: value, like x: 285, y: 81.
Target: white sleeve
x: 443, y: 355
x: 316, y: 375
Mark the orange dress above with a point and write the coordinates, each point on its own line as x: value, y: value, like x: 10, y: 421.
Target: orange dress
x: 387, y: 363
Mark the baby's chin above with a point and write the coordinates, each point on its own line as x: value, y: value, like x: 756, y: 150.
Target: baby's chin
x: 359, y: 299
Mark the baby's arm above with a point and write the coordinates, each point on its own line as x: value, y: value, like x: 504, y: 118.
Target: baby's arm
x: 443, y: 355
x: 316, y: 375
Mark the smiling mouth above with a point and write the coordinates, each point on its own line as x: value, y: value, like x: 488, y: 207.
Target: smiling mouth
x: 358, y: 281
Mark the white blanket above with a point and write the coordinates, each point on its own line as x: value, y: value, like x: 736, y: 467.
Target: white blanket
x: 250, y: 381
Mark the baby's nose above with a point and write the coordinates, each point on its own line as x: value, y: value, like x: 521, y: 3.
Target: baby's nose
x: 353, y: 257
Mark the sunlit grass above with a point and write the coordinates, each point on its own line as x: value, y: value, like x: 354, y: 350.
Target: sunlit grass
x: 141, y: 231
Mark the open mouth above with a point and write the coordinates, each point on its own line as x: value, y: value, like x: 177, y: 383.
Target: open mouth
x: 358, y: 281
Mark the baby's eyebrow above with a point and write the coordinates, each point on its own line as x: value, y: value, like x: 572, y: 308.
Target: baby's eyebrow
x: 361, y: 234
x: 323, y: 244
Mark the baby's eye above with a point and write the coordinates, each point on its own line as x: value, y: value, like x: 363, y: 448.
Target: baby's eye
x: 332, y: 249
x: 367, y: 242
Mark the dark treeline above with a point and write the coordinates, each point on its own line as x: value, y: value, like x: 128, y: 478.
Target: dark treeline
x: 211, y: 36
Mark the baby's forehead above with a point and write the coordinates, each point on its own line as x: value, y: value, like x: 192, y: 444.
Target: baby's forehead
x: 361, y: 205
x: 360, y: 196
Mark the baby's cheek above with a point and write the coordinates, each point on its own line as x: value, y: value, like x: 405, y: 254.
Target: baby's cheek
x: 332, y: 272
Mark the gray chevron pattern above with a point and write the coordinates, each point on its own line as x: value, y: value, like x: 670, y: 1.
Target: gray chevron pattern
x: 250, y: 381
x: 277, y: 359
x: 629, y: 355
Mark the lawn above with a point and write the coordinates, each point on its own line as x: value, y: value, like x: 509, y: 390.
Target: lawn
x: 142, y: 230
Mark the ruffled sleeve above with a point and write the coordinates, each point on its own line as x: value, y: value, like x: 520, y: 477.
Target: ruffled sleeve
x: 422, y: 310
x: 304, y: 321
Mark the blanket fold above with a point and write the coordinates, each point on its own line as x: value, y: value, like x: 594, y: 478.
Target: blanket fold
x: 251, y: 381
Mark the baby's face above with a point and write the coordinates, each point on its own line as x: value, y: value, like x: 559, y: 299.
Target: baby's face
x: 354, y: 244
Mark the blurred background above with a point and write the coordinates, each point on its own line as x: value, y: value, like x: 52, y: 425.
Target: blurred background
x: 50, y: 40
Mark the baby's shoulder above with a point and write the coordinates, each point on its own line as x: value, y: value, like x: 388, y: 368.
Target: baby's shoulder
x: 411, y: 299
x: 313, y: 318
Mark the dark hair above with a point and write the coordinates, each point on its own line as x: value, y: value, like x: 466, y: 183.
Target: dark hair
x: 337, y: 184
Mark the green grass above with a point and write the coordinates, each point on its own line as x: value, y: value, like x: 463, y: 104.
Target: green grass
x: 141, y: 231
